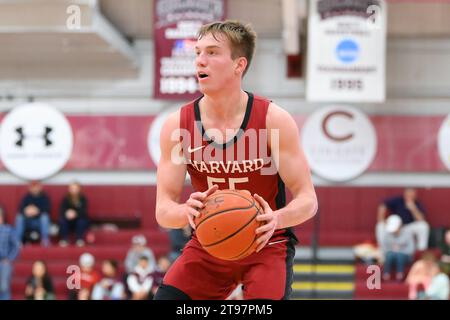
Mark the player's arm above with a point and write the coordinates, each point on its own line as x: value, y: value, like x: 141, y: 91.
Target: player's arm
x: 294, y: 171
x: 170, y: 178
x: 170, y: 213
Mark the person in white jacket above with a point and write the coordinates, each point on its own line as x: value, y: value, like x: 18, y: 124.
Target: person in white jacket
x: 139, y: 248
x: 140, y: 281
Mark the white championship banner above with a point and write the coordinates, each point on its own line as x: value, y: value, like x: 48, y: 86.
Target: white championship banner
x: 346, y: 51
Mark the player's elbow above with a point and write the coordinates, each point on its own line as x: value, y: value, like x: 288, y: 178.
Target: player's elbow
x: 313, y: 205
x: 167, y: 217
x: 161, y: 216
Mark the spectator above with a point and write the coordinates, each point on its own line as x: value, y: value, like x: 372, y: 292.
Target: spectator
x: 412, y: 213
x: 39, y: 285
x: 89, y: 277
x: 420, y: 275
x: 9, y: 248
x: 158, y: 275
x: 138, y: 249
x: 140, y: 281
x: 34, y: 212
x: 445, y: 257
x: 439, y: 287
x: 109, y: 287
x: 397, y: 246
x: 73, y: 215
x: 178, y: 239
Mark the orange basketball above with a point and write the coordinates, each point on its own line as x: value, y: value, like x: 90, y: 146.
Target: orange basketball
x: 226, y: 225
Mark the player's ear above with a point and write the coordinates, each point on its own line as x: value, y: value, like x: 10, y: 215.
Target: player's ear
x: 241, y: 65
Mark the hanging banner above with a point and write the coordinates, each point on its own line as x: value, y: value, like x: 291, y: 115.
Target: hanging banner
x: 177, y: 23
x: 346, y: 51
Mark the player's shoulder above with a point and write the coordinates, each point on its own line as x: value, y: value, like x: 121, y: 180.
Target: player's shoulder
x: 273, y: 110
x: 261, y: 99
x: 190, y: 104
x: 277, y: 116
x: 173, y: 119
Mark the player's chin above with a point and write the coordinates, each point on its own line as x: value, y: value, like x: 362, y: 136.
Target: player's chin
x: 208, y: 89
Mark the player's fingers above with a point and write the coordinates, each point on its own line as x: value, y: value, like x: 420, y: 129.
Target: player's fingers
x: 211, y: 190
x: 191, y: 222
x: 195, y: 203
x: 193, y: 212
x: 264, y: 228
x: 262, y: 202
x: 262, y: 239
x: 197, y: 195
x: 262, y: 245
x: 264, y: 217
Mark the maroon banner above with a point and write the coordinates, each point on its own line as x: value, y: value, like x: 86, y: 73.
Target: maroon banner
x: 405, y: 143
x: 175, y: 30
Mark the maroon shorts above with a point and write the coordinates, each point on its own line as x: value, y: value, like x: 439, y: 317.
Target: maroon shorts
x: 267, y: 274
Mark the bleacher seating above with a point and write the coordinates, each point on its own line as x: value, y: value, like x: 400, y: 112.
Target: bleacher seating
x: 347, y: 217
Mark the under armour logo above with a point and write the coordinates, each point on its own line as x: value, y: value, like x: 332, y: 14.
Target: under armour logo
x: 44, y: 136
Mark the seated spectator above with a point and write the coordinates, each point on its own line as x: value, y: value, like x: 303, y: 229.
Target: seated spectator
x: 420, y: 275
x: 138, y: 249
x: 158, y: 275
x: 412, y: 214
x: 445, y: 257
x: 439, y: 287
x: 178, y: 239
x: 9, y: 248
x: 140, y: 281
x: 109, y: 287
x: 73, y: 215
x: 397, y: 246
x: 88, y: 278
x: 34, y: 213
x: 39, y: 285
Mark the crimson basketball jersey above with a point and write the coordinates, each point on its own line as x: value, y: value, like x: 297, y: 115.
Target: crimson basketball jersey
x: 243, y: 162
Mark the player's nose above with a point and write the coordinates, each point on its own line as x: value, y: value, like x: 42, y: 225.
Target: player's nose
x: 200, y: 60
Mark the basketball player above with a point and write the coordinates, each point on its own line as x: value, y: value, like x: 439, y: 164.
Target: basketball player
x: 224, y: 52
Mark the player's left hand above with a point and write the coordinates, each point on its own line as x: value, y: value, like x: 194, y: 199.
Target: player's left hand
x: 271, y: 222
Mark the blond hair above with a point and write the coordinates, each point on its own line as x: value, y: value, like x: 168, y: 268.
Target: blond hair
x: 242, y: 38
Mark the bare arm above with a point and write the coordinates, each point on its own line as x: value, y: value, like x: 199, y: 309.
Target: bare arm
x: 293, y: 169
x: 295, y: 173
x: 170, y: 181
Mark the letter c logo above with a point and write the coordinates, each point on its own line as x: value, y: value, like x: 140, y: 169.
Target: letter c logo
x: 326, y: 131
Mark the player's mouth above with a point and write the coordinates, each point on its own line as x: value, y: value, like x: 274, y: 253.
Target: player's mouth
x: 202, y: 75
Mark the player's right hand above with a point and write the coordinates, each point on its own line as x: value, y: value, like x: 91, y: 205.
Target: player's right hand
x: 195, y: 203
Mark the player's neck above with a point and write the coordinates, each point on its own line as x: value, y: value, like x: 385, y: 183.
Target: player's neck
x: 225, y: 106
